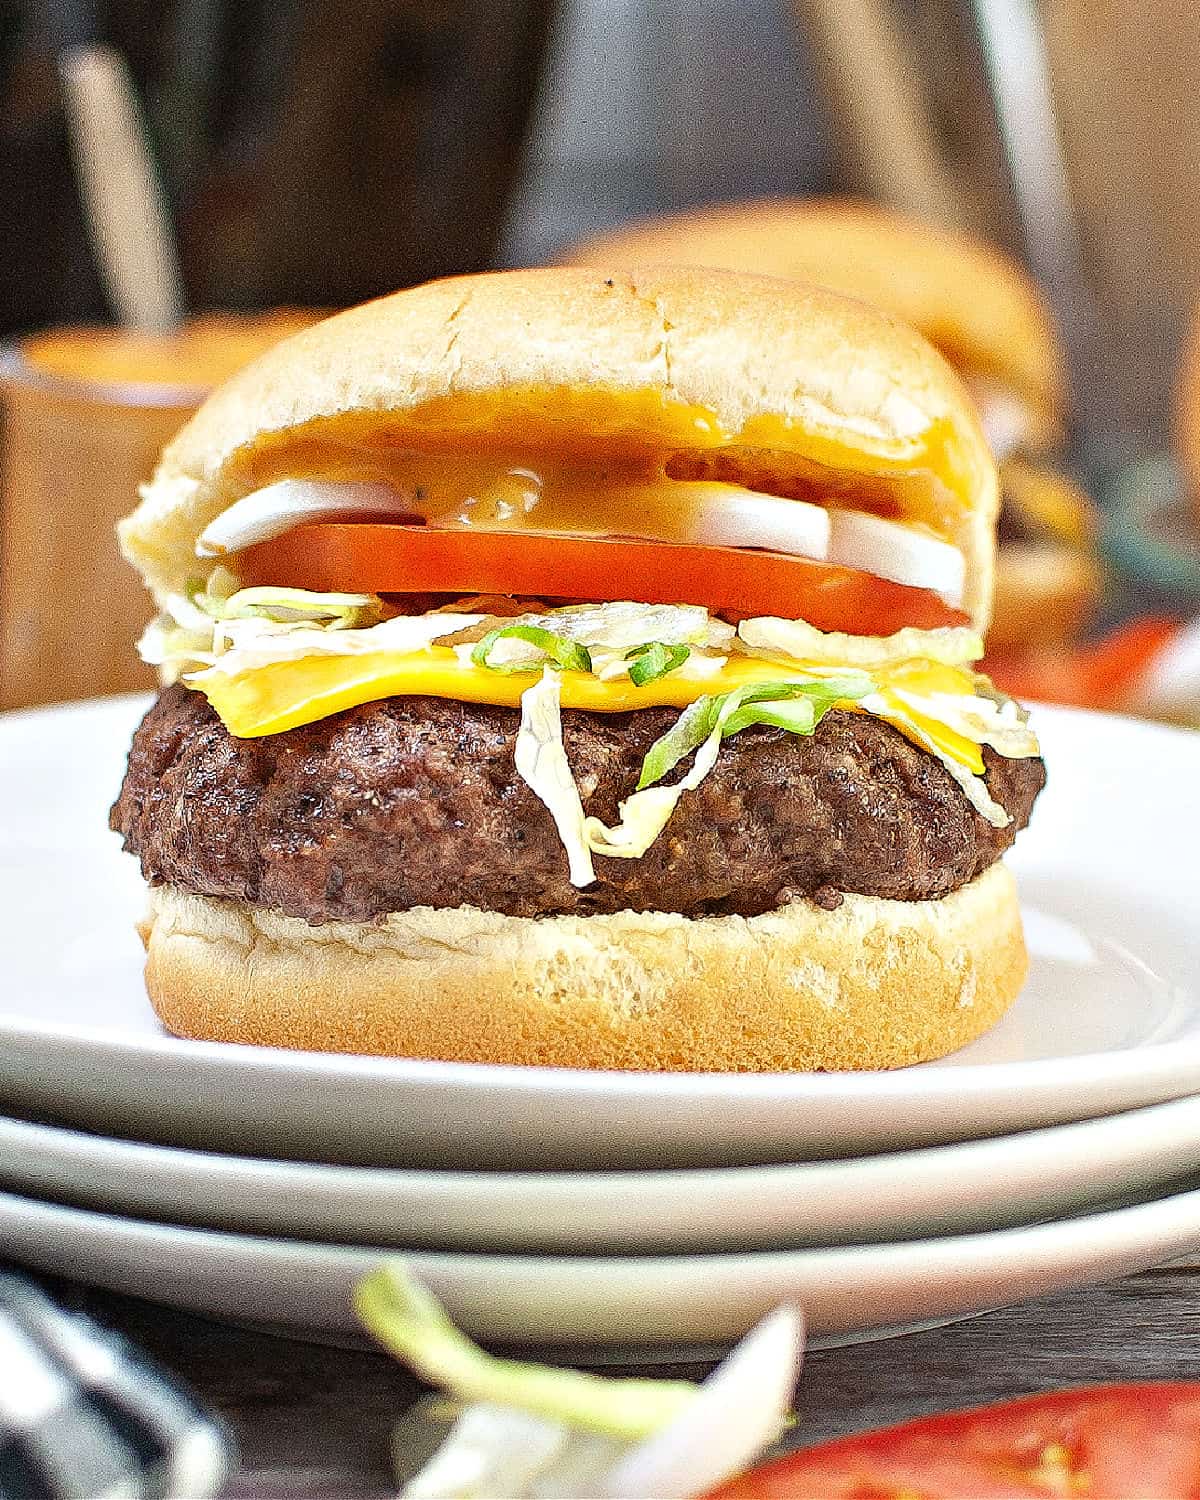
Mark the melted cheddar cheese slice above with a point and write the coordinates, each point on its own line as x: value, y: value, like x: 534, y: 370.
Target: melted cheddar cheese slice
x: 283, y: 695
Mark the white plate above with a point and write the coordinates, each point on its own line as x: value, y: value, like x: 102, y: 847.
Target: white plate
x: 564, y: 1301
x: 976, y: 1185
x: 1109, y: 1020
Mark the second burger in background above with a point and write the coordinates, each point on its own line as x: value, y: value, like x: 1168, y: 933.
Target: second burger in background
x: 983, y: 313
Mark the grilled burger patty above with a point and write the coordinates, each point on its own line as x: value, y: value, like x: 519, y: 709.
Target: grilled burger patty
x: 415, y: 802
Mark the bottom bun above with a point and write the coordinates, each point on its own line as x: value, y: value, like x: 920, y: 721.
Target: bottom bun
x: 874, y: 984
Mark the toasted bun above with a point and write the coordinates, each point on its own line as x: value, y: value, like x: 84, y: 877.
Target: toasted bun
x: 971, y: 301
x: 774, y: 383
x: 874, y: 984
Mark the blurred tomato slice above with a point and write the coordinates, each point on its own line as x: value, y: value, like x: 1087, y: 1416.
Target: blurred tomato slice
x: 1104, y: 674
x: 1118, y: 1442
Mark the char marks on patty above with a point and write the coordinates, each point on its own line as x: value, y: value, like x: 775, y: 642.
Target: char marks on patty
x: 416, y: 802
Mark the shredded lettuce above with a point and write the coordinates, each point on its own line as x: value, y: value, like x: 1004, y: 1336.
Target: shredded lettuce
x: 654, y: 660
x: 541, y: 761
x: 644, y: 815
x: 640, y: 641
x: 199, y: 626
x: 411, y: 1324
x: 975, y: 790
x: 797, y: 706
x: 208, y: 595
x: 992, y: 720
x: 289, y: 606
x: 549, y: 647
x: 533, y: 1433
x: 795, y: 640
x: 250, y: 644
x: 797, y: 715
x: 689, y: 731
x: 1003, y: 726
x: 175, y: 648
x: 999, y: 721
x: 620, y: 626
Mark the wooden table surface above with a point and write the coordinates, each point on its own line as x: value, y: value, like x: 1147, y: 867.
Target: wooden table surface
x: 313, y: 1420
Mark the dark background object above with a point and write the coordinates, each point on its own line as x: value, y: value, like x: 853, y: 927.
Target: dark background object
x: 650, y: 106
x: 84, y: 1413
x: 315, y: 151
x: 46, y: 269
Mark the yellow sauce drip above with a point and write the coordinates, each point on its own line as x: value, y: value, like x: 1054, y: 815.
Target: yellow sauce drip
x: 594, y: 433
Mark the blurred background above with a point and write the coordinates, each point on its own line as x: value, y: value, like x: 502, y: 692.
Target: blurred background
x: 164, y: 159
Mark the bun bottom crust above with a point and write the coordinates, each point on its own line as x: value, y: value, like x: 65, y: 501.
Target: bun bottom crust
x: 874, y: 984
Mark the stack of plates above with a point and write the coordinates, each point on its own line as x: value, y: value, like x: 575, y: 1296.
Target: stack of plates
x: 619, y: 1214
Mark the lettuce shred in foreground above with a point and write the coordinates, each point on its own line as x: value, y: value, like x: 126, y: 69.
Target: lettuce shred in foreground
x: 526, y: 1430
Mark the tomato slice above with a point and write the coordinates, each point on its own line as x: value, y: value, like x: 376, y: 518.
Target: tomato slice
x: 1116, y: 663
x: 1118, y: 1442
x: 384, y: 558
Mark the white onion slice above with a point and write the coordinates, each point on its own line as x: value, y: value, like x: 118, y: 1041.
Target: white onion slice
x: 724, y: 515
x: 900, y: 553
x: 715, y: 514
x: 737, y: 1412
x: 269, y: 512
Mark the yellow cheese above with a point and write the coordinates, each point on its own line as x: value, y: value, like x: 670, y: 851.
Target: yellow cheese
x: 931, y: 733
x: 283, y: 695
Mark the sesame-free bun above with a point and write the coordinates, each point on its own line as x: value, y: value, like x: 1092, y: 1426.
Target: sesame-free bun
x: 709, y: 374
x: 873, y: 984
x: 970, y: 300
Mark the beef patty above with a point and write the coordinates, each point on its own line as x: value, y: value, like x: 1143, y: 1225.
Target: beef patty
x: 416, y: 802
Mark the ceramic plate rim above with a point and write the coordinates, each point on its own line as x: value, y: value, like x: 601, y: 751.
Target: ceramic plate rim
x: 1043, y: 1188
x: 945, y: 1078
x: 1148, y: 1231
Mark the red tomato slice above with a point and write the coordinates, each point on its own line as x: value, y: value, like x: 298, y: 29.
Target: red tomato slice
x: 383, y: 558
x: 1118, y: 1442
x: 1041, y: 675
x: 1114, y: 664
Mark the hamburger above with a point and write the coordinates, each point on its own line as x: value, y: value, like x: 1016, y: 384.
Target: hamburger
x: 983, y: 313
x: 576, y: 667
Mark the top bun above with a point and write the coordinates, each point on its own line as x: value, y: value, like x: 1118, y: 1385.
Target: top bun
x: 973, y: 303
x: 766, y: 382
